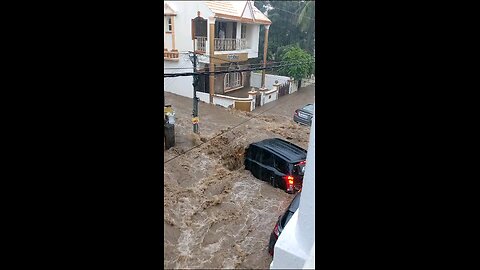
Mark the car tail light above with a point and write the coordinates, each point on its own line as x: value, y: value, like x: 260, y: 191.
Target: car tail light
x: 296, y: 112
x: 276, y: 231
x: 289, y: 179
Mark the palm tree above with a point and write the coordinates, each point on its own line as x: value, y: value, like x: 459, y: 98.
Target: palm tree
x: 306, y: 23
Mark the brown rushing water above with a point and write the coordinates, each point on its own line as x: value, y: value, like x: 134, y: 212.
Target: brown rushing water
x: 217, y: 215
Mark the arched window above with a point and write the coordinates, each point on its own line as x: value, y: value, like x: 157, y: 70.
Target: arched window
x: 232, y: 79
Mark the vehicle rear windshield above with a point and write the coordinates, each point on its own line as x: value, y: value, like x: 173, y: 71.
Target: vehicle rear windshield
x: 299, y: 169
x: 308, y: 108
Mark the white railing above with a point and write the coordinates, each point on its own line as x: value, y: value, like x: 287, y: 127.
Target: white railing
x: 230, y: 44
x: 201, y: 44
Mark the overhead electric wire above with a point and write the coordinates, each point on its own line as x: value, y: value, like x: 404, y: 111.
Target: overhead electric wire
x: 228, y: 70
x: 227, y: 67
x: 169, y: 75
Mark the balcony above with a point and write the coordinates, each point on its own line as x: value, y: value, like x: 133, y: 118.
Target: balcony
x: 170, y: 55
x: 230, y: 44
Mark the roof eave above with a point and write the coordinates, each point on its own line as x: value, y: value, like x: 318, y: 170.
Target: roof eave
x: 239, y: 19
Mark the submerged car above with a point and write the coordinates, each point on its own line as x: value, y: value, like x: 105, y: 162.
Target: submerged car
x: 304, y: 115
x: 278, y: 162
x: 282, y: 221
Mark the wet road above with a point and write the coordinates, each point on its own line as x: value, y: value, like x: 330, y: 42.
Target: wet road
x: 217, y: 215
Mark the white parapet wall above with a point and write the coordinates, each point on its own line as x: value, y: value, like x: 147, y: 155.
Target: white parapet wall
x: 270, y: 95
x: 223, y: 101
x: 204, y: 97
x: 293, y: 86
x: 295, y: 246
x: 229, y: 102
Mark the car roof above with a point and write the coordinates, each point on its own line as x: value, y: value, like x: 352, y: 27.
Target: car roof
x: 284, y: 149
x: 295, y: 202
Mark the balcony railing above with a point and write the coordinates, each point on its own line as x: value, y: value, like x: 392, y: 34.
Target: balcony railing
x: 170, y: 55
x: 201, y: 44
x: 230, y: 44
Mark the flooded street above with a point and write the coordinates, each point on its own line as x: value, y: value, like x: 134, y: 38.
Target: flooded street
x: 217, y: 215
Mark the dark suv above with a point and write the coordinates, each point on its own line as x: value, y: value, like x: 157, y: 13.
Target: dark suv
x: 278, y: 162
x: 282, y: 221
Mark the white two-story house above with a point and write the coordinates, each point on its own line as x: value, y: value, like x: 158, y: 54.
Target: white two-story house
x: 224, y: 34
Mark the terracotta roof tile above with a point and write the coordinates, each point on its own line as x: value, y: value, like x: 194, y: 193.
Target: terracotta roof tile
x: 234, y: 10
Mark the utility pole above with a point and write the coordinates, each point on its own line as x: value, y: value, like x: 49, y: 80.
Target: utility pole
x: 195, y: 88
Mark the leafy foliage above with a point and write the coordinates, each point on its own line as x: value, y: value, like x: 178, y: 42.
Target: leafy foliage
x: 300, y: 63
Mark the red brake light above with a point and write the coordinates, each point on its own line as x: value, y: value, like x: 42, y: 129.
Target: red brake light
x: 275, y: 230
x: 289, y: 179
x: 296, y: 112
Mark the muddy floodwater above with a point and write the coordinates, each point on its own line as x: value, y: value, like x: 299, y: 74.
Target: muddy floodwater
x: 217, y: 215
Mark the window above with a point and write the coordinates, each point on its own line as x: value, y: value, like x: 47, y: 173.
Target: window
x: 244, y: 31
x: 267, y: 158
x: 233, y: 79
x: 281, y: 165
x: 169, y: 23
x: 258, y: 154
x: 299, y: 169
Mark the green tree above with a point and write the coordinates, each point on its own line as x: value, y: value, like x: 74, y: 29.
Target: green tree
x: 300, y: 64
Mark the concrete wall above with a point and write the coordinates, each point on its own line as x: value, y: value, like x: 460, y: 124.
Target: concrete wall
x: 256, y: 80
x: 270, y: 96
x: 179, y: 85
x: 229, y: 102
x: 204, y: 97
x: 223, y: 101
x: 293, y: 86
x: 296, y: 244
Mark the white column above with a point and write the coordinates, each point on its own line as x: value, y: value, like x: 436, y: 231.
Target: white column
x: 253, y: 95
x: 239, y: 30
x: 295, y: 246
x: 306, y: 213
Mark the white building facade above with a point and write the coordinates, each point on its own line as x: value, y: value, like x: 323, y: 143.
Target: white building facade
x: 295, y: 247
x: 224, y: 34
